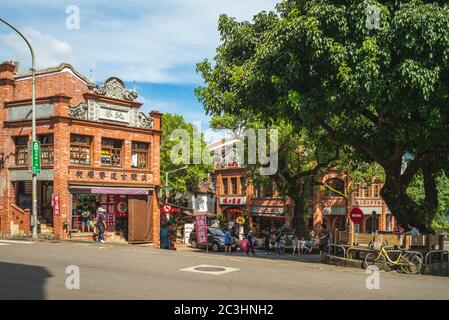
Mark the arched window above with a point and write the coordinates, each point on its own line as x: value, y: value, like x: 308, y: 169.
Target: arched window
x: 334, y: 183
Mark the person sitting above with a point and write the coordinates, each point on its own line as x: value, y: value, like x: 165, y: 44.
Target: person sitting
x: 302, y: 246
x: 413, y: 230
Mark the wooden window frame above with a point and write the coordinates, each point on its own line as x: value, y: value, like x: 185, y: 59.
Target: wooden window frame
x: 47, y: 148
x: 81, y: 144
x: 112, y: 149
x: 141, y: 151
x: 224, y: 185
x: 21, y: 149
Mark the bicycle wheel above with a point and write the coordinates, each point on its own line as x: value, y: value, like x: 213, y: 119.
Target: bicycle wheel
x: 410, y: 264
x: 374, y: 259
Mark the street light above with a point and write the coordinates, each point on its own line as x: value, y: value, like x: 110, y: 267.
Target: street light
x: 166, y: 181
x: 33, y: 124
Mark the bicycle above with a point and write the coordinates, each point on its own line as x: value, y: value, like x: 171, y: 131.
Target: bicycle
x: 405, y: 262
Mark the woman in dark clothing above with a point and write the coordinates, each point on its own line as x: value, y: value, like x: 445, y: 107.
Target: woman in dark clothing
x: 250, y: 246
x: 267, y: 243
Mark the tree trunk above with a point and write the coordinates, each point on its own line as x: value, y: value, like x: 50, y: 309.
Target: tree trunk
x: 404, y: 209
x: 299, y: 209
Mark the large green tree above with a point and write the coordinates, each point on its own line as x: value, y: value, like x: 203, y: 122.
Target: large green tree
x: 373, y: 74
x: 187, y: 179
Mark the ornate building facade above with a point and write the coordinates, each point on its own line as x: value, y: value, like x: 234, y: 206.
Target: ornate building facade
x: 97, y: 149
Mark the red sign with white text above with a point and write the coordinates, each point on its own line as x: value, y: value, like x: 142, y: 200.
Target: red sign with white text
x: 56, y: 205
x: 356, y: 215
x: 201, y: 229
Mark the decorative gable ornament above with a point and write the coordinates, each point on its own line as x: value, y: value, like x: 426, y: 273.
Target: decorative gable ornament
x: 114, y: 88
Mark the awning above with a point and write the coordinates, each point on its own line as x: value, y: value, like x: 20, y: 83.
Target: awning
x: 111, y: 190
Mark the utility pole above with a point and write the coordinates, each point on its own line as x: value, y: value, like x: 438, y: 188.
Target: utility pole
x: 33, y: 125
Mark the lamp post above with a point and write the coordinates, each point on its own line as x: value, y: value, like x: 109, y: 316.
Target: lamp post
x: 33, y: 125
x: 166, y: 181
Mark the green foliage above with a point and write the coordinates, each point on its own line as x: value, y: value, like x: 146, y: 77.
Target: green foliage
x: 188, y: 179
x: 381, y: 91
x: 417, y: 192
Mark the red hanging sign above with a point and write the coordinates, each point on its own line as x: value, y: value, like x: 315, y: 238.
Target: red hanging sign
x: 201, y: 229
x: 56, y: 205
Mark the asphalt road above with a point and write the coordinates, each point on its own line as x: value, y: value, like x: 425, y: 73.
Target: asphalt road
x: 38, y: 271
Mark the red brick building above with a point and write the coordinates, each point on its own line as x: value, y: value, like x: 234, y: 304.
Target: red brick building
x: 267, y: 208
x: 97, y: 148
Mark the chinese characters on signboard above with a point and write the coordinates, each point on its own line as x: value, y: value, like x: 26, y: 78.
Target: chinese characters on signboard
x: 114, y: 176
x: 116, y: 206
x: 201, y: 229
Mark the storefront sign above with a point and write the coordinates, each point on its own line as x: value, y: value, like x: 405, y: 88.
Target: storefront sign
x: 188, y: 228
x: 108, y: 176
x: 269, y: 211
x: 56, y: 205
x: 201, y: 229
x: 116, y: 207
x: 370, y: 202
x: 233, y: 200
x: 166, y: 208
x: 356, y: 215
x: 35, y: 157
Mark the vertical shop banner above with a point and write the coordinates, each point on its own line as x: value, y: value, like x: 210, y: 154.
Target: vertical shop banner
x: 121, y: 206
x: 56, y: 205
x: 108, y: 203
x: 201, y: 229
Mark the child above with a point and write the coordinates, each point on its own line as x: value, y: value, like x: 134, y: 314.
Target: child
x: 282, y: 245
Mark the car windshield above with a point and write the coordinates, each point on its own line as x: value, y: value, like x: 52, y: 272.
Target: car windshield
x: 216, y: 232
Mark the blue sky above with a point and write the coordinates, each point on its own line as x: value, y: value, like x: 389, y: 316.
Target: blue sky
x: 154, y: 43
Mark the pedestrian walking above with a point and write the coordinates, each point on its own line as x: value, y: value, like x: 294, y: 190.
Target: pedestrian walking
x: 323, y: 235
x: 228, y: 241
x: 251, y: 241
x: 101, y: 224
x: 267, y: 243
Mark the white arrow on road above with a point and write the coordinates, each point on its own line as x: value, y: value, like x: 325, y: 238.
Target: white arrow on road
x: 7, y: 242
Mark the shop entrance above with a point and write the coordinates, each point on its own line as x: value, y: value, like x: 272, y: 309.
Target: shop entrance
x: 84, y: 208
x: 44, y: 204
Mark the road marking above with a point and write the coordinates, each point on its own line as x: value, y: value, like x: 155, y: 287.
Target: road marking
x: 208, y: 269
x: 4, y: 244
x: 16, y: 241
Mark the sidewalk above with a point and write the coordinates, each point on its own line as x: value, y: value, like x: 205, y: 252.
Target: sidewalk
x: 310, y: 258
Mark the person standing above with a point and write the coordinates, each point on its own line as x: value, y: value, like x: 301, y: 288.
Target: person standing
x: 267, y: 242
x: 251, y: 241
x: 323, y: 235
x: 282, y: 245
x: 373, y: 222
x: 295, y: 244
x: 228, y: 241
x: 101, y: 223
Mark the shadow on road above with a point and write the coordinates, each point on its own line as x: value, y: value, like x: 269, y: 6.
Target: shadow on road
x: 19, y: 281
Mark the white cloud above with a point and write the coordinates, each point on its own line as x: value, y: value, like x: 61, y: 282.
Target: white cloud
x: 48, y: 50
x: 146, y: 41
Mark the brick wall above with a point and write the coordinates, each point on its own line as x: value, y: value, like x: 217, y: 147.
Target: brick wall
x: 67, y: 89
